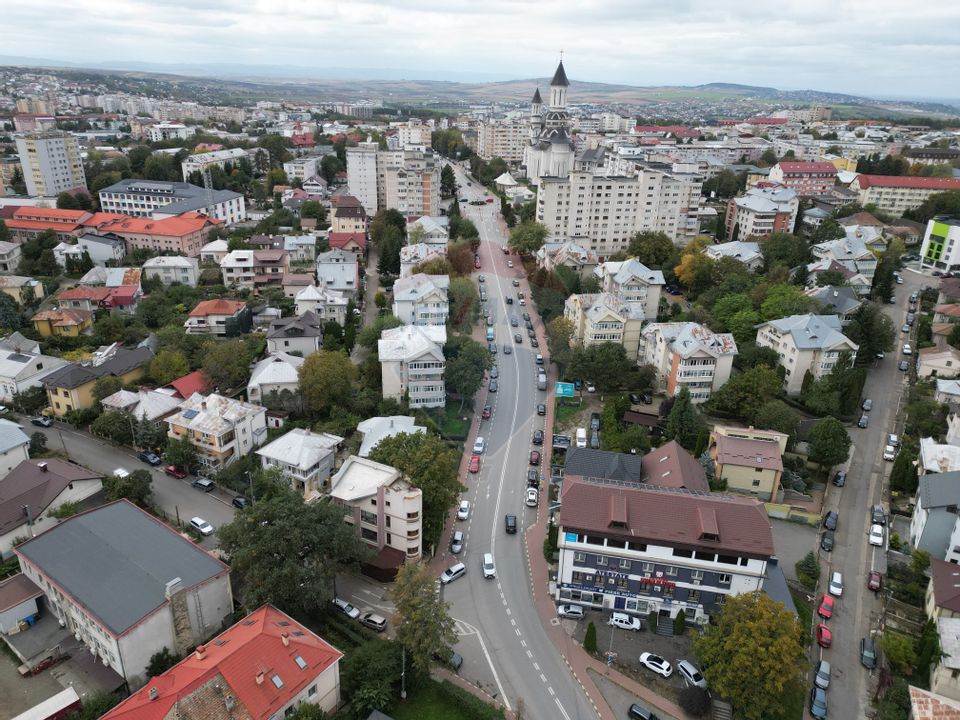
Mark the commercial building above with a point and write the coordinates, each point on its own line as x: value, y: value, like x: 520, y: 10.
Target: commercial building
x: 51, y: 163
x: 159, y: 199
x: 384, y: 506
x: 805, y: 343
x: 128, y: 586
x: 687, y: 354
x: 644, y: 549
x: 421, y: 299
x: 896, y: 194
x: 412, y: 364
x: 749, y: 461
x: 941, y: 244
x: 220, y: 429
x: 304, y: 458
x: 761, y: 211
x: 262, y: 668
x: 805, y: 178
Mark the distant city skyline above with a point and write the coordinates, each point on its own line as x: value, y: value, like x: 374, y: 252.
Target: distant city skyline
x: 884, y: 48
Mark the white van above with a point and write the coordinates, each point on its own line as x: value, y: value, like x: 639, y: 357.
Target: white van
x: 581, y: 437
x: 489, y: 569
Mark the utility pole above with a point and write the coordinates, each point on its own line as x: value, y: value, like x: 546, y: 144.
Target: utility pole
x: 403, y: 672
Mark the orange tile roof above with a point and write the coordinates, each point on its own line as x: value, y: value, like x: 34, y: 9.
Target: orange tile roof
x: 175, y: 226
x: 85, y: 292
x: 63, y: 317
x: 907, y: 181
x: 217, y: 307
x: 249, y: 658
x: 101, y: 218
x: 37, y: 213
x: 197, y: 381
x: 15, y: 224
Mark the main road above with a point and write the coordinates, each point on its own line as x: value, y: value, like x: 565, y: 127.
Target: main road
x: 859, y: 610
x: 505, y: 647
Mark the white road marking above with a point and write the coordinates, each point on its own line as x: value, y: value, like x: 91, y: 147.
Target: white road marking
x: 493, y: 669
x: 562, y: 711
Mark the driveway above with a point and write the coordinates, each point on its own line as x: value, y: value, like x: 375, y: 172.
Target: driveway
x: 792, y: 541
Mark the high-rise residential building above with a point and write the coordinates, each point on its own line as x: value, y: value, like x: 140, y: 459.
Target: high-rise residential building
x: 51, y: 163
x: 761, y: 211
x: 414, y: 133
x: 362, y: 174
x: 601, y: 212
x: 502, y: 139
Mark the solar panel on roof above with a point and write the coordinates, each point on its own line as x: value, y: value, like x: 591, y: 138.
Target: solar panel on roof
x: 190, y: 414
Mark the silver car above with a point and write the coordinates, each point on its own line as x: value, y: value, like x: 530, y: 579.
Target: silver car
x: 574, y: 612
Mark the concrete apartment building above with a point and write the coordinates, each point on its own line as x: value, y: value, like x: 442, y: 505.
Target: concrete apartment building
x: 687, y: 354
x: 302, y: 168
x: 422, y: 299
x: 601, y: 213
x: 504, y: 139
x: 749, y: 461
x: 805, y: 178
x: 221, y: 429
x: 304, y: 458
x: 896, y: 194
x: 409, y: 181
x: 412, y: 364
x: 161, y: 199
x: 760, y: 212
x: 51, y: 163
x: 384, y: 507
x: 633, y: 282
x: 362, y: 174
x: 605, y: 317
x: 175, y: 594
x: 941, y: 244
x: 805, y: 343
x: 644, y: 549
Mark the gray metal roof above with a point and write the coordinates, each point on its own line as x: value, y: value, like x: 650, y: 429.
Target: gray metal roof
x: 602, y: 464
x: 938, y: 490
x: 560, y: 76
x: 115, y: 562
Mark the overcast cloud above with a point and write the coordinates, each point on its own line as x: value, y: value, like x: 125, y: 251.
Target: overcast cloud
x: 886, y: 48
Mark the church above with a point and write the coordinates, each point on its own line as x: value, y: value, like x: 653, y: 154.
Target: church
x: 550, y: 152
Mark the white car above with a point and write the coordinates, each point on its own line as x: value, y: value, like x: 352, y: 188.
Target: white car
x: 625, y: 622
x: 121, y: 473
x: 889, y: 453
x: 201, y: 526
x: 836, y: 584
x: 907, y: 350
x: 591, y: 388
x: 346, y: 608
x: 489, y: 567
x: 532, y: 497
x: 657, y: 664
x: 690, y: 674
x: 509, y: 263
x: 452, y: 573
x: 478, y: 445
x: 574, y: 612
x: 463, y: 512
x: 892, y: 439
x: 876, y: 535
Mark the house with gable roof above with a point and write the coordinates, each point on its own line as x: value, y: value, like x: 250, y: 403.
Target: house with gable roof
x: 412, y: 363
x: 305, y: 459
x: 688, y: 354
x: 422, y: 299
x: 633, y: 282
x: 325, y: 304
x: 805, y: 343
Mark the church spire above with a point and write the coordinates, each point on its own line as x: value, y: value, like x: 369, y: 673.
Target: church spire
x: 560, y: 77
x: 536, y: 98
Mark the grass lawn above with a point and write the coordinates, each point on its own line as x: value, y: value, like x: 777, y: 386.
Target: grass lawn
x: 438, y: 701
x: 450, y: 420
x: 564, y: 412
x: 805, y: 615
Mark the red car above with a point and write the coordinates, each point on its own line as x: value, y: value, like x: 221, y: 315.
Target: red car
x: 874, y: 581
x: 487, y: 412
x: 534, y: 457
x: 474, y: 466
x: 826, y: 607
x: 489, y: 200
x: 174, y: 471
x: 824, y: 636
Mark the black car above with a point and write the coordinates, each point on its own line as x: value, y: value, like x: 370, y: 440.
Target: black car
x: 241, y: 502
x: 149, y: 458
x: 541, y: 409
x: 518, y: 338
x: 538, y: 437
x: 514, y: 322
x: 534, y: 342
x: 826, y: 541
x: 493, y: 386
x: 830, y: 520
x: 868, y: 653
x: 840, y: 479
x: 533, y: 478
x: 877, y: 515
x: 526, y: 316
x: 41, y: 421
x: 510, y: 524
x: 639, y: 712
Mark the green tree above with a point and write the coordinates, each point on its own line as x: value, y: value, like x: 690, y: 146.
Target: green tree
x: 95, y: 705
x: 431, y: 466
x: 180, y: 452
x: 464, y: 303
x: 883, y: 281
x: 278, y: 147
x: 117, y: 426
x: 784, y: 300
x: 425, y: 627
x: 38, y: 444
x: 313, y: 209
x: 653, y: 249
x: 872, y: 330
x: 829, y: 442
x: 903, y: 474
x: 369, y: 675
x: 744, y: 394
x: 66, y: 201
x: 684, y: 423
x: 168, y: 365
x: 369, y: 336
x: 287, y: 552
x: 752, y: 654
x: 104, y: 386
x: 380, y: 300
x: 899, y: 651
x: 467, y: 361
x: 590, y: 638
x: 227, y: 362
x: 448, y: 182
x: 160, y: 662
x: 389, y: 245
x: 327, y: 380
x: 606, y: 364
x: 135, y: 487
x: 526, y: 238
x: 777, y: 415
x: 743, y: 325
x: 782, y: 248
x: 559, y: 333
x: 729, y: 305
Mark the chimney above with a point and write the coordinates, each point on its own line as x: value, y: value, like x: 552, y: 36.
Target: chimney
x: 42, y: 467
x: 201, y: 652
x: 285, y: 638
x: 153, y: 694
x: 203, y: 404
x: 260, y: 677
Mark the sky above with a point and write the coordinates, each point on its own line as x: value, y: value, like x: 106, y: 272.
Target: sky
x: 879, y: 48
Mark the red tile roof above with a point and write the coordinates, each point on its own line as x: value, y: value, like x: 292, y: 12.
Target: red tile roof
x: 55, y: 225
x: 63, y: 317
x: 265, y: 650
x: 51, y: 214
x: 748, y: 452
x: 217, y: 307
x: 794, y: 168
x: 668, y: 516
x: 906, y: 181
x: 344, y: 201
x: 926, y: 705
x: 85, y: 292
x: 342, y: 239
x: 175, y: 226
x: 123, y: 296
x: 196, y: 382
x: 672, y: 466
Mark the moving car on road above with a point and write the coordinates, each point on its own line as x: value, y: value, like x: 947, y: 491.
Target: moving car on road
x: 453, y: 572
x: 41, y: 421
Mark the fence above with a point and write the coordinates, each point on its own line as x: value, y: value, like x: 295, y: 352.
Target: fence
x: 780, y: 511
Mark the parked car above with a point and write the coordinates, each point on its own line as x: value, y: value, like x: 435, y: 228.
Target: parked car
x: 867, y: 405
x: 487, y: 412
x: 876, y: 535
x: 824, y: 636
x: 818, y: 703
x: 625, y: 622
x: 204, y: 484
x: 240, y: 502
x: 201, y: 526
x: 121, y: 473
x: 518, y: 338
x: 836, y: 584
x: 863, y: 421
x: 904, y: 366
x: 830, y: 520
x: 457, y: 570
x: 826, y: 607
x: 533, y: 497
x: 463, y: 512
x: 474, y: 465
x: 534, y: 457
x: 591, y: 388
x: 595, y: 421
x: 41, y: 421
x: 516, y: 283
x: 374, y: 621
x: 905, y: 328
x: 538, y: 437
x: 493, y: 386
x: 868, y: 653
x: 533, y: 477
x: 494, y: 373
x: 840, y: 479
x: 175, y: 472
x: 346, y: 608
x: 151, y: 458
x: 456, y: 542
x: 657, y: 664
x: 821, y: 676
x: 907, y: 350
x: 478, y: 445
x: 874, y: 581
x: 877, y: 515
x: 639, y: 712
x: 889, y: 453
x: 690, y: 674
x: 826, y: 541
x: 575, y: 612
x: 541, y: 409
x: 892, y: 439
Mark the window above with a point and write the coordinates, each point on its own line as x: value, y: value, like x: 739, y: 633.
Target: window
x: 579, y: 557
x: 624, y: 564
x: 671, y: 570
x: 724, y: 578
